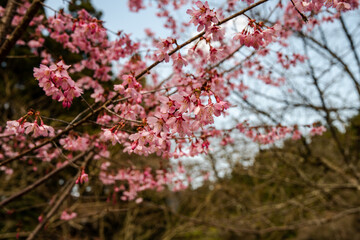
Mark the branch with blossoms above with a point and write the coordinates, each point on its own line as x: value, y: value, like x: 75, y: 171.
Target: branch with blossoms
x: 57, y: 83
x: 44, y: 73
x: 130, y: 109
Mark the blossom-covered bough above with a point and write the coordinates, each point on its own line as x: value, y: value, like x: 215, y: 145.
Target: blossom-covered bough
x: 171, y: 118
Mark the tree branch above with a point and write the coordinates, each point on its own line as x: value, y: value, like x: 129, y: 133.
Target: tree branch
x: 5, y: 22
x: 20, y: 29
x: 60, y: 200
x: 41, y: 180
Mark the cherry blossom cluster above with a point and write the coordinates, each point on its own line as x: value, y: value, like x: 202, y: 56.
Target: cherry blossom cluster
x: 293, y: 20
x: 57, y: 83
x: 7, y: 170
x: 130, y: 182
x: 86, y: 31
x: 273, y: 134
x: 319, y: 130
x: 203, y: 17
x: 287, y: 61
x: 135, y: 5
x: 340, y: 5
x: 47, y: 153
x: 67, y: 216
x: 179, y: 115
x: 254, y: 35
x: 75, y: 143
x: 164, y: 46
x: 37, y: 40
x: 21, y: 126
x: 208, y: 20
x: 85, y: 34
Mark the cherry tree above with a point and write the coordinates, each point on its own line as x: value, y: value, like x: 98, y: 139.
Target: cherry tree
x: 138, y: 107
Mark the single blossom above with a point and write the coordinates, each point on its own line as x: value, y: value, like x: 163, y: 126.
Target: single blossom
x: 68, y: 216
x: 83, y: 178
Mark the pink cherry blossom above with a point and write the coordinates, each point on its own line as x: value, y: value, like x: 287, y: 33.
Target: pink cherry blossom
x: 203, y: 17
x: 68, y: 216
x: 317, y: 130
x: 179, y: 61
x: 57, y: 83
x: 83, y: 178
x: 14, y: 127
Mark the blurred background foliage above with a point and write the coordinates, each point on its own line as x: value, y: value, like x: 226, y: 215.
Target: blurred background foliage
x: 301, y: 190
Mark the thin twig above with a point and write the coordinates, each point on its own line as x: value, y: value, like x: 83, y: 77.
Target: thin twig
x: 124, y: 119
x: 304, y: 18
